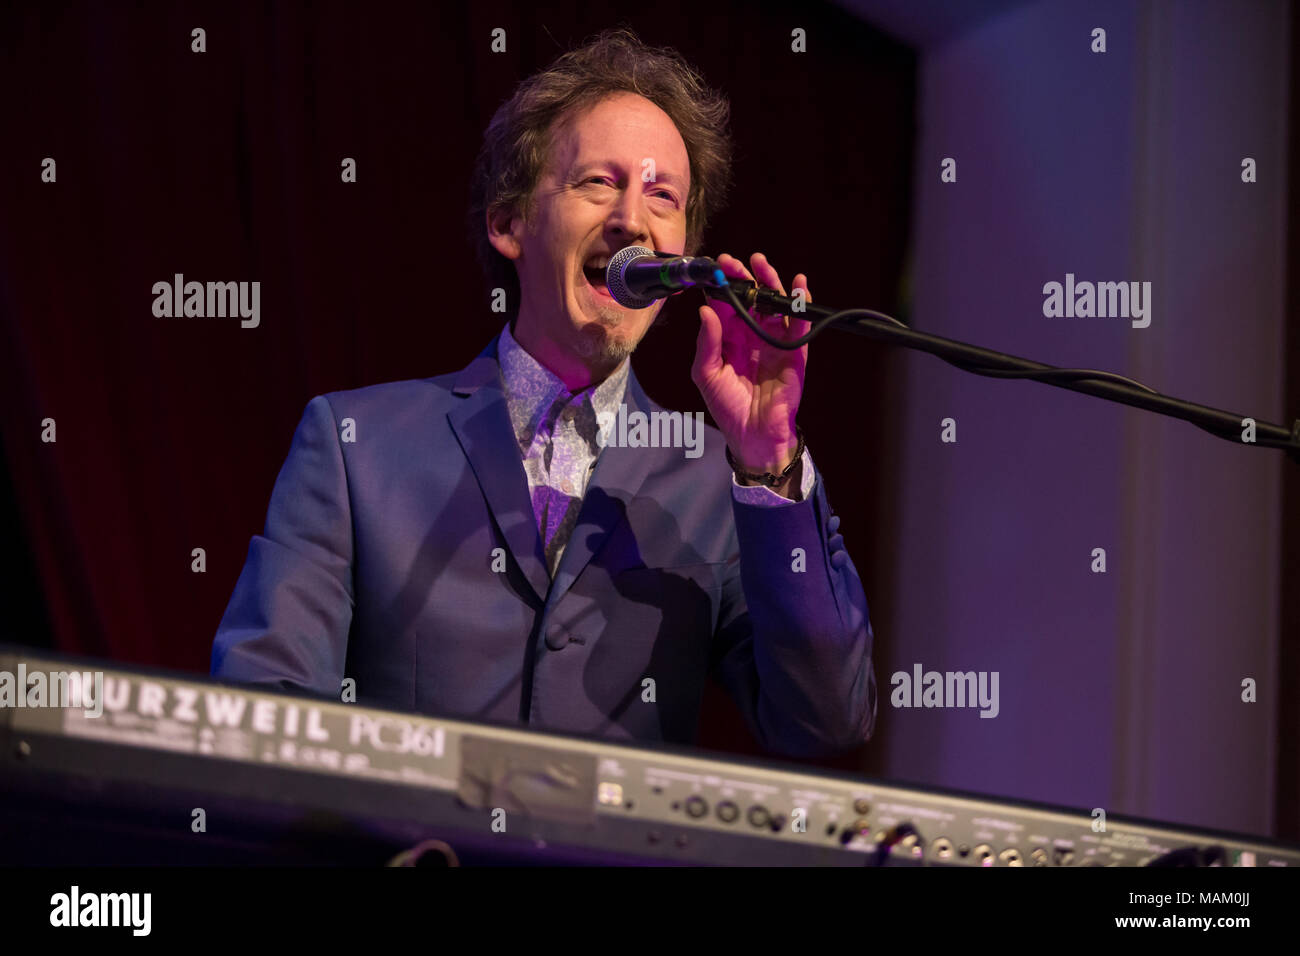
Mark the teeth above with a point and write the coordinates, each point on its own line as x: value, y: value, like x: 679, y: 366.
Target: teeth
x: 598, y: 262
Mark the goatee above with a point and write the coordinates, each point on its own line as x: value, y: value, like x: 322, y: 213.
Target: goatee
x: 601, y: 342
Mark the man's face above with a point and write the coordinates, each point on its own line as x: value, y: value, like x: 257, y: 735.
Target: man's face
x: 593, y: 199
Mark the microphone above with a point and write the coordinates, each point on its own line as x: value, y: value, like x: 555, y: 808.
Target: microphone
x: 636, y: 276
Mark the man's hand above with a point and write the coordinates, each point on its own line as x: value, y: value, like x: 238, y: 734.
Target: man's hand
x: 752, y: 389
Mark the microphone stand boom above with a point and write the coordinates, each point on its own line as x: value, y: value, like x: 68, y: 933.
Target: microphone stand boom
x: 744, y: 295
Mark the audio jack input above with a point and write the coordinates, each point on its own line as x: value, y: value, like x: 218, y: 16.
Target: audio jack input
x: 910, y: 845
x: 858, y: 828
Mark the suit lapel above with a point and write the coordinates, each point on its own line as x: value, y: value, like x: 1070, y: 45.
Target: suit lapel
x: 617, y: 478
x: 481, y: 422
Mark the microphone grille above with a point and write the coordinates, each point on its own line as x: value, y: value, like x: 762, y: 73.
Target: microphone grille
x: 615, y: 282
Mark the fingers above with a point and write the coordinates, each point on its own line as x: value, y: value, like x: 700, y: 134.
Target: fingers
x: 766, y: 273
x: 708, y: 347
x: 767, y: 276
x: 733, y: 268
x: 801, y: 326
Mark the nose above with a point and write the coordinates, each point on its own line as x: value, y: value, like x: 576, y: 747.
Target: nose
x: 628, y: 223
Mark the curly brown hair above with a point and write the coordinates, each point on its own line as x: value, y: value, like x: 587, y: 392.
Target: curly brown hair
x: 517, y: 140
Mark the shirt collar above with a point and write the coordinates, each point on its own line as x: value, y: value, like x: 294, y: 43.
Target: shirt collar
x: 532, y: 390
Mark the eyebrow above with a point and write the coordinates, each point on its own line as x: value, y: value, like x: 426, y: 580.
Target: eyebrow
x: 661, y: 176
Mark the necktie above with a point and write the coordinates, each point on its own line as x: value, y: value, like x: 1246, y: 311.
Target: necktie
x: 568, y: 451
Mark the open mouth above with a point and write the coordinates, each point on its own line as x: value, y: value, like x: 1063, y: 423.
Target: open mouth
x: 594, y: 270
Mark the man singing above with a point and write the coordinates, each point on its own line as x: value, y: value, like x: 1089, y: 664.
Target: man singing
x: 476, y: 545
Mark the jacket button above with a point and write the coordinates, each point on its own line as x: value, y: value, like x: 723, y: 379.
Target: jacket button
x: 555, y: 637
x: 839, y: 559
x: 834, y: 524
x: 836, y: 543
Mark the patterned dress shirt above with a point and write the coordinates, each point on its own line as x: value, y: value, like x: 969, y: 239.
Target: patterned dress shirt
x: 557, y: 434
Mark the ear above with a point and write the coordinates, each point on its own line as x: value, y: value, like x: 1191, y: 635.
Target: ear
x: 504, y: 229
